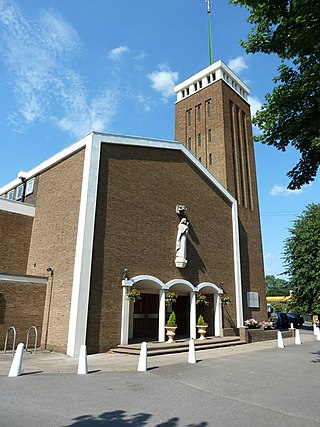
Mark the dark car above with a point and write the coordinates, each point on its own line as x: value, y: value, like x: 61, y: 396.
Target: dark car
x: 280, y: 320
x: 296, y: 319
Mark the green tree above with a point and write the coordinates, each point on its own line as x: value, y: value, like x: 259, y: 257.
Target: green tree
x: 302, y: 259
x: 291, y: 114
x: 276, y: 287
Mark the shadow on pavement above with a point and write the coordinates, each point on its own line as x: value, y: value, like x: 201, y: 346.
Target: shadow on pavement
x: 119, y: 418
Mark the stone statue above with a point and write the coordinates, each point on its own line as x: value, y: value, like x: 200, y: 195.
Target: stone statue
x: 181, y: 243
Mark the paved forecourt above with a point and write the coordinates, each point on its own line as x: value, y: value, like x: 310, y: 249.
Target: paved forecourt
x: 254, y: 384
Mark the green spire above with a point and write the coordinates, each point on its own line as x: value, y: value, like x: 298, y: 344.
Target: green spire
x: 209, y: 32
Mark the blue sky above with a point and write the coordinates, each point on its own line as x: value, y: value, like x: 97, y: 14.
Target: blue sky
x: 70, y: 67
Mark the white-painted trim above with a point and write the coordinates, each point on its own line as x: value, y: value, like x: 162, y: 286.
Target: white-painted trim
x: 210, y: 285
x: 173, y: 282
x: 162, y: 316
x: 193, y: 316
x: 83, y: 257
x: 124, y: 338
x: 148, y: 278
x: 237, y: 265
x: 6, y: 277
x: 16, y: 207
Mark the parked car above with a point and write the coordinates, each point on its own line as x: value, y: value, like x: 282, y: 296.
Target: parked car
x: 299, y: 320
x: 280, y: 320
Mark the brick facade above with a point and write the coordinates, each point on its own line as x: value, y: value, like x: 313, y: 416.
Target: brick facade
x: 136, y: 227
x: 53, y: 239
x: 21, y: 306
x: 15, y: 235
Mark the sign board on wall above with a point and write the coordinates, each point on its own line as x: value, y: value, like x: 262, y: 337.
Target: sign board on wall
x: 253, y: 300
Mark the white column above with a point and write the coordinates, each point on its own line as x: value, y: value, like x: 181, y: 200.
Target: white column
x: 162, y: 316
x: 193, y: 316
x: 217, y: 316
x: 125, y: 317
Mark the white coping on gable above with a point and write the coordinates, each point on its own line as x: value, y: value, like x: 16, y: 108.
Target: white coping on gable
x: 221, y: 72
x: 16, y: 207
x: 8, y: 277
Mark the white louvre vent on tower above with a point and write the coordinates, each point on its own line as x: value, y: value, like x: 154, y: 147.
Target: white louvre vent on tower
x: 217, y: 71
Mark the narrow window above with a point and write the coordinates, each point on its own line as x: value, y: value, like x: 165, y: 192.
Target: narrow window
x: 208, y: 79
x: 200, y: 84
x: 199, y: 139
x: 210, y: 159
x: 189, y: 117
x: 187, y: 91
x: 10, y: 195
x: 209, y: 108
x: 29, y: 186
x: 195, y: 86
x: 209, y: 135
x: 19, y: 192
x: 200, y: 159
x: 183, y: 93
x: 199, y: 113
x: 189, y: 143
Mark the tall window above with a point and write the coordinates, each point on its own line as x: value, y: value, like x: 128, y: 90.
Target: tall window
x: 19, y: 192
x: 189, y: 143
x: 189, y: 117
x: 210, y: 159
x: 199, y: 139
x: 199, y: 113
x: 209, y: 108
x: 209, y: 135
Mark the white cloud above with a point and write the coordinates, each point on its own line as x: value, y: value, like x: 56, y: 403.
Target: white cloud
x: 164, y: 81
x: 237, y: 64
x: 37, y: 53
x: 280, y: 190
x: 255, y: 104
x: 117, y: 52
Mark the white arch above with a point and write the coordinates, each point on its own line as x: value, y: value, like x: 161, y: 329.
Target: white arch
x: 183, y: 282
x: 148, y: 278
x: 214, y: 287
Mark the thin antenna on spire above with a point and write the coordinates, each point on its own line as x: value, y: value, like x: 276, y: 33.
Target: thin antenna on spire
x: 209, y: 31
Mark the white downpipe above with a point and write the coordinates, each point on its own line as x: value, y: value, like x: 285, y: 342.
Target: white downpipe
x: 162, y: 316
x: 193, y: 317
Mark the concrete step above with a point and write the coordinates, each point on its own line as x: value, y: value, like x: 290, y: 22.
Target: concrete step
x: 178, y: 346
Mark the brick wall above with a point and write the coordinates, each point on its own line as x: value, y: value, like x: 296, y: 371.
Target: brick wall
x: 54, y: 239
x: 15, y: 235
x: 21, y: 306
x: 136, y: 227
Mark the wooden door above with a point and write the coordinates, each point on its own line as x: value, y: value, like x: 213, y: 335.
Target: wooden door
x: 145, y: 317
x: 182, y: 310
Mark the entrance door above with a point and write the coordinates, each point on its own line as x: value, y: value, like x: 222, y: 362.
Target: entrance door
x: 182, y: 310
x: 145, y: 317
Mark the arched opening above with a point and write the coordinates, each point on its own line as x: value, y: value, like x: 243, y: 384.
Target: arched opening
x: 182, y: 306
x: 212, y: 313
x: 144, y: 313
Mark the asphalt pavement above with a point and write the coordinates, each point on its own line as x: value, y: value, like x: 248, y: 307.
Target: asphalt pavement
x: 250, y: 385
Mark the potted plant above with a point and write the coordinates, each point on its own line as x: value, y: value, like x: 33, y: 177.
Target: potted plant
x: 225, y: 299
x: 171, y: 327
x: 133, y: 295
x: 201, y: 299
x: 170, y: 298
x: 252, y: 323
x: 202, y: 327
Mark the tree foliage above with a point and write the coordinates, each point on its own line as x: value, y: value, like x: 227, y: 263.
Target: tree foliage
x: 276, y: 287
x: 291, y: 114
x: 302, y: 259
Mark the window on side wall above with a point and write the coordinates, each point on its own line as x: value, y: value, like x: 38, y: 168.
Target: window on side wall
x: 10, y: 195
x: 19, y: 192
x: 29, y: 186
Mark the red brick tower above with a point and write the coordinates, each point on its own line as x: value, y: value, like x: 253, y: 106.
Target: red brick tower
x: 213, y: 122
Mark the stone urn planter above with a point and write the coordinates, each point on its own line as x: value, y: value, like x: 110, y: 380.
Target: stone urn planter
x: 171, y: 327
x: 202, y: 328
x: 171, y: 331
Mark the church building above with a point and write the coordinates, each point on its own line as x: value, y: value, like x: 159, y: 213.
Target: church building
x: 114, y: 215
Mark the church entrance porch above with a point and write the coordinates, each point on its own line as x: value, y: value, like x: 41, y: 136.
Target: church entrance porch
x: 147, y: 317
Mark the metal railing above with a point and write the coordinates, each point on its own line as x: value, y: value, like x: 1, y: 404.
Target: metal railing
x: 35, y: 340
x: 14, y: 340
